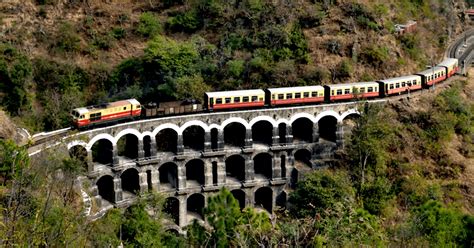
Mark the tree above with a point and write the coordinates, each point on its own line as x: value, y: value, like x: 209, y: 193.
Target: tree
x: 223, y: 214
x: 443, y: 226
x: 12, y: 160
x: 320, y: 191
x: 369, y: 142
x: 15, y: 71
x: 228, y: 226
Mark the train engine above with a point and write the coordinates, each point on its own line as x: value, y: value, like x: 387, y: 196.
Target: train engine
x: 112, y: 112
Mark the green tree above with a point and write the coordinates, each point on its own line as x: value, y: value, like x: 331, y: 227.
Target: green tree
x: 12, y: 160
x: 15, y: 72
x: 223, y: 214
x: 320, y: 191
x: 443, y: 226
x: 140, y: 230
x: 368, y: 145
x: 228, y: 226
x: 192, y: 87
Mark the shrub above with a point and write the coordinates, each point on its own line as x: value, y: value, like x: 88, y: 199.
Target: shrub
x: 362, y: 16
x: 118, y: 33
x: 375, y: 55
x: 312, y: 18
x: 184, y: 22
x: 148, y: 25
x: 67, y: 39
x: 299, y: 45
x: 411, y: 43
x: 104, y: 42
x: 333, y: 46
x: 46, y: 2
x: 344, y: 70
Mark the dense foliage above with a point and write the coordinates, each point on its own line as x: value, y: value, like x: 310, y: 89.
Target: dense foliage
x: 182, y: 48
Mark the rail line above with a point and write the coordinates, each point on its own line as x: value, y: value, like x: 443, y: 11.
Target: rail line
x: 453, y: 49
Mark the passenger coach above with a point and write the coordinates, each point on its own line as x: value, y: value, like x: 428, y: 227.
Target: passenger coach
x: 433, y: 75
x: 451, y: 65
x: 399, y: 85
x: 234, y: 99
x: 337, y: 92
x: 294, y: 95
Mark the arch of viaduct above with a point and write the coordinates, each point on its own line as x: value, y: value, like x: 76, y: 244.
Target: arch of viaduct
x: 256, y: 154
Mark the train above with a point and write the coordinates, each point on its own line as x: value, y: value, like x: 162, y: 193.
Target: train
x: 131, y: 109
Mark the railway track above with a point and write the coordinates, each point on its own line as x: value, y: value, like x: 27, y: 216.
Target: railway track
x: 453, y: 49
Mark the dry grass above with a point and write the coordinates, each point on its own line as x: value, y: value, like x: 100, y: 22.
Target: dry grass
x: 7, y: 128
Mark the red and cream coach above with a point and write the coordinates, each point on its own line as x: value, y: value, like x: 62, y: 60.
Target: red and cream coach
x: 398, y: 85
x: 234, y: 99
x: 336, y: 92
x: 294, y: 95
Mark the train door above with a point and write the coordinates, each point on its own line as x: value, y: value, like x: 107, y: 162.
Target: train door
x: 211, y: 102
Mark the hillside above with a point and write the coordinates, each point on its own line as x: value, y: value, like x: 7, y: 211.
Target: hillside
x: 60, y: 54
x: 405, y: 179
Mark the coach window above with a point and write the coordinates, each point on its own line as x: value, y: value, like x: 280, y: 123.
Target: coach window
x: 255, y: 98
x: 315, y: 94
x: 289, y: 95
x: 347, y: 91
x: 362, y: 90
x: 124, y: 108
x: 236, y: 99
x: 219, y: 101
x: 370, y: 89
x: 339, y: 92
x: 227, y: 100
x: 281, y: 96
x: 297, y: 95
x: 397, y: 85
x: 403, y: 84
x: 414, y: 82
x: 305, y: 94
x: 245, y: 99
x: 375, y: 88
x: 391, y: 86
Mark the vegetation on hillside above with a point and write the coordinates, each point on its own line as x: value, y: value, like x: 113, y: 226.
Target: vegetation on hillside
x: 78, y: 53
x: 402, y: 178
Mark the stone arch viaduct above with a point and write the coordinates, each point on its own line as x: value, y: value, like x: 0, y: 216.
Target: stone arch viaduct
x: 257, y: 154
